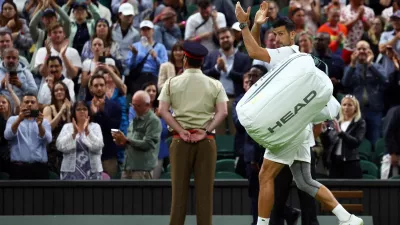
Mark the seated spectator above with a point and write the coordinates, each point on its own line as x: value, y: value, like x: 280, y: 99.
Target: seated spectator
x: 271, y: 43
x: 111, y: 47
x: 5, y: 113
x: 28, y: 134
x: 10, y: 21
x: 58, y: 114
x: 81, y: 143
x: 19, y: 76
x: 373, y: 35
x: 366, y: 80
x: 83, y: 26
x: 6, y: 42
x: 237, y: 34
x: 172, y: 68
x: 273, y: 15
x: 58, y: 46
x: 107, y: 114
x: 124, y: 33
x: 341, y: 154
x: 333, y: 63
x: 167, y: 32
x: 143, y: 140
x: 202, y: 25
x: 145, y: 59
x: 46, y: 16
x: 336, y: 30
x: 54, y: 67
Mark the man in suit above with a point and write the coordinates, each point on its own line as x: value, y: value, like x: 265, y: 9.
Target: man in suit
x: 227, y: 65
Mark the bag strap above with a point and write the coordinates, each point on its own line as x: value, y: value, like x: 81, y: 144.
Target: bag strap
x: 147, y: 55
x: 200, y: 25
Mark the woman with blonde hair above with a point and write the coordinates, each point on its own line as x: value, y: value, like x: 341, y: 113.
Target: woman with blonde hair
x: 342, y: 154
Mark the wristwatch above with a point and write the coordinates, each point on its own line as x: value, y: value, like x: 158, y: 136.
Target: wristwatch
x: 208, y: 132
x: 242, y: 25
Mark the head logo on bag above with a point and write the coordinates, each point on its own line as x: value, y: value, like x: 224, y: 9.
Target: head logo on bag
x: 288, y: 116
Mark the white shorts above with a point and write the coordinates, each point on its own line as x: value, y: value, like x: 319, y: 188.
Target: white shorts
x: 298, y: 149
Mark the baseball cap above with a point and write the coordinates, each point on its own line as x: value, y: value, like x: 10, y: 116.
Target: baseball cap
x: 236, y: 27
x: 49, y: 12
x: 126, y: 9
x: 146, y: 23
x: 396, y: 15
x: 79, y: 5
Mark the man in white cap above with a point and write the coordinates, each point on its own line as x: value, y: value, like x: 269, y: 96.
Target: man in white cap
x: 144, y: 59
x: 123, y: 31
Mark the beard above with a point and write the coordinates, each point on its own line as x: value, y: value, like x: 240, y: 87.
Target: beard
x: 11, y: 67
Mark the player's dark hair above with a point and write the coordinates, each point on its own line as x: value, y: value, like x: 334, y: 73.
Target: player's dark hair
x: 286, y: 22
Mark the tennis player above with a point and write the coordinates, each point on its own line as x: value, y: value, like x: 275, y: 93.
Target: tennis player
x: 297, y: 157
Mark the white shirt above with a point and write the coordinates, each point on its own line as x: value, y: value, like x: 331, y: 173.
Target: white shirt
x: 44, y: 95
x: 344, y: 125
x: 226, y: 81
x: 277, y: 55
x: 195, y: 20
x: 71, y: 53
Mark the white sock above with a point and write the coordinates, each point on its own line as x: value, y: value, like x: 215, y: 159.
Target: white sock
x: 341, y: 213
x: 262, y: 221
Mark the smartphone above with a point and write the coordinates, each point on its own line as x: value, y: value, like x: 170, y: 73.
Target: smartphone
x: 114, y: 130
x: 34, y: 113
x: 102, y: 59
x: 13, y: 73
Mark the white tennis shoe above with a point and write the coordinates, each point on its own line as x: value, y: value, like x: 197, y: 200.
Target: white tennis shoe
x: 354, y: 220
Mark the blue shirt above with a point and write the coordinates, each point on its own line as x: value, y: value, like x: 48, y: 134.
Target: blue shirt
x: 151, y: 65
x: 167, y: 37
x: 26, y: 144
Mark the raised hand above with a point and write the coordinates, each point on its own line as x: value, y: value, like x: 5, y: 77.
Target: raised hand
x: 242, y: 16
x: 64, y: 47
x: 221, y: 64
x: 39, y: 119
x: 261, y: 16
x: 86, y: 125
x: 48, y: 46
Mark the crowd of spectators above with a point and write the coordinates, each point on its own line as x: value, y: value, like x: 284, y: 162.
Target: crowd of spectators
x: 80, y: 79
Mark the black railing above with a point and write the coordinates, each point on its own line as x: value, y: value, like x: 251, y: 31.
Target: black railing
x: 120, y: 197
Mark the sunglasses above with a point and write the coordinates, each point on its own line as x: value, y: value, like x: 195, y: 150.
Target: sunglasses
x: 349, y: 96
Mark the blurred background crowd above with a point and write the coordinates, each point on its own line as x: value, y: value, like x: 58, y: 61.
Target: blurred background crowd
x: 71, y: 71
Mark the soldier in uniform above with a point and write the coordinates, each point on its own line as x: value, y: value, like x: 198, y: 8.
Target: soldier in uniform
x: 199, y: 104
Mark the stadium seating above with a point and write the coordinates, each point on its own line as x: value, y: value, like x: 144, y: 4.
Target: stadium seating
x: 227, y: 165
x: 227, y: 175
x: 369, y: 168
x: 225, y: 146
x: 365, y: 148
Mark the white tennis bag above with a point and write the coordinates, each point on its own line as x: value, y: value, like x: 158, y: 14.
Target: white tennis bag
x: 329, y: 112
x: 278, y: 107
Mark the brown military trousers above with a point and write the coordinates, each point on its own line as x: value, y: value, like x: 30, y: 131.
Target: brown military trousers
x: 199, y: 159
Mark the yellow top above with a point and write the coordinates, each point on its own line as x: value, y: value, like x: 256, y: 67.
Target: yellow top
x: 193, y: 96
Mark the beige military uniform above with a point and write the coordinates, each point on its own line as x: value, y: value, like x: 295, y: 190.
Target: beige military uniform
x: 193, y: 96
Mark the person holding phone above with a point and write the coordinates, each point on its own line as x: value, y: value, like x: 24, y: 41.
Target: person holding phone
x: 29, y: 135
x: 20, y: 78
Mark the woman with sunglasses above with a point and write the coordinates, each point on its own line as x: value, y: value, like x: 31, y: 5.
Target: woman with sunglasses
x: 342, y: 155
